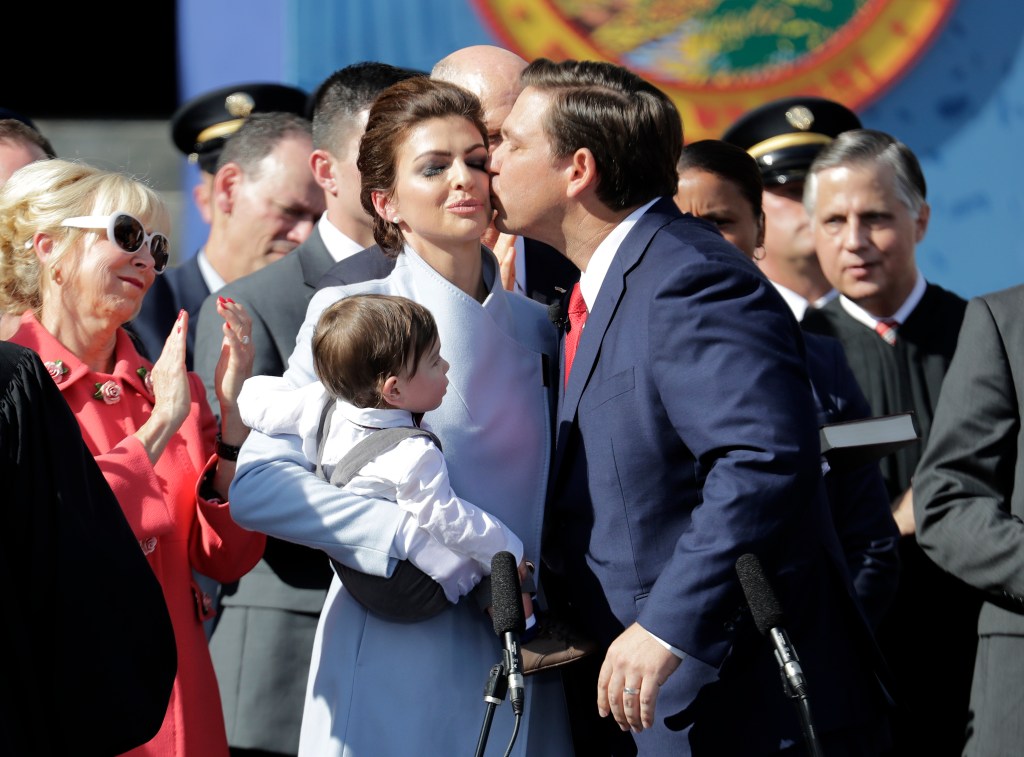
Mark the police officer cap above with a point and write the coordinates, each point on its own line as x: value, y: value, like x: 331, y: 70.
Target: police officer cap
x: 200, y: 127
x: 784, y: 136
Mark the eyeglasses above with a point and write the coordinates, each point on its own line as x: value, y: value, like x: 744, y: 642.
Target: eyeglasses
x: 128, y: 233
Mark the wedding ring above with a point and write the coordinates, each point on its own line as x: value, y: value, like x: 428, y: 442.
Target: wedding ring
x: 630, y: 691
x: 245, y: 339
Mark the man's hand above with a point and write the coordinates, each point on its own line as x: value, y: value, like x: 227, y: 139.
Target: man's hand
x: 505, y: 251
x: 903, y: 513
x: 635, y: 661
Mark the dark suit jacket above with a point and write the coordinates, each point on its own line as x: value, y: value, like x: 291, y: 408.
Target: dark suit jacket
x: 548, y: 273
x: 969, y: 500
x: 686, y: 438
x: 368, y: 265
x: 89, y: 653
x: 932, y: 700
x: 177, y: 289
x: 858, y: 498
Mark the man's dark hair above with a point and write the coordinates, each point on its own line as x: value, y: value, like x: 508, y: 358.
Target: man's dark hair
x: 258, y: 136
x: 346, y: 93
x: 632, y: 128
x: 16, y: 130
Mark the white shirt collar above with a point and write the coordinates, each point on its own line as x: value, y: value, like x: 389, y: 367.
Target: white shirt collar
x: 372, y: 417
x: 338, y: 244
x: 597, y: 268
x: 799, y: 304
x: 858, y: 313
x: 796, y: 303
x: 213, y: 280
x: 825, y: 299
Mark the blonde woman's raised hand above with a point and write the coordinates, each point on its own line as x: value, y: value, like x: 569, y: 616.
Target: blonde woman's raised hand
x: 172, y: 398
x: 237, y: 353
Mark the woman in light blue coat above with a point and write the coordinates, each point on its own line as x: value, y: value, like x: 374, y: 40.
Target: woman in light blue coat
x: 383, y: 688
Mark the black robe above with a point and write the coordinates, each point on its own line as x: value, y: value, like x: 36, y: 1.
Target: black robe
x: 929, y: 635
x: 89, y: 654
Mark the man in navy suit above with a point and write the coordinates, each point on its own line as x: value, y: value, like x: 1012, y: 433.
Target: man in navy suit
x: 686, y: 438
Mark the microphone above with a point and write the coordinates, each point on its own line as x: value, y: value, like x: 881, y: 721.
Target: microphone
x: 768, y: 617
x: 509, y: 620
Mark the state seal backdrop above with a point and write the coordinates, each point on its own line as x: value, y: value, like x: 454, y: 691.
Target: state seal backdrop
x: 718, y: 59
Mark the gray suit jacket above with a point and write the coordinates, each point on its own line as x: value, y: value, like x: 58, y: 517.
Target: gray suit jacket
x: 969, y: 502
x: 969, y: 485
x: 276, y: 298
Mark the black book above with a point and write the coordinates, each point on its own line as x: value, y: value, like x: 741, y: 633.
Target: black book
x: 851, y: 444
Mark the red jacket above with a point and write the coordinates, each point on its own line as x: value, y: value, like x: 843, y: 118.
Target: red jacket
x: 177, y: 528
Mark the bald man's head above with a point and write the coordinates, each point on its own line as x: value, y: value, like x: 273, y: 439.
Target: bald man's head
x: 489, y: 72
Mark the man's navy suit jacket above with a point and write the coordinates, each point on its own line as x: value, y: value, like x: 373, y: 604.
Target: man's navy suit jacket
x: 687, y: 437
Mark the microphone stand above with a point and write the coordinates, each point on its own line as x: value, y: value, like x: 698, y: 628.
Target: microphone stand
x: 494, y: 694
x: 797, y: 694
x: 767, y: 614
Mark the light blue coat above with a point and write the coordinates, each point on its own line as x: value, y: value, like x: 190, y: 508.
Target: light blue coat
x: 383, y: 688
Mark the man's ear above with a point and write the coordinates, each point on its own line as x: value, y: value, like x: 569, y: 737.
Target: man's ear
x: 323, y: 170
x: 760, y: 230
x: 581, y: 172
x: 225, y: 185
x: 921, y: 224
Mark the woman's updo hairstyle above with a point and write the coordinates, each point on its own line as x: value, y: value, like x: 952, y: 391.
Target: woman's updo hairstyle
x: 396, y: 111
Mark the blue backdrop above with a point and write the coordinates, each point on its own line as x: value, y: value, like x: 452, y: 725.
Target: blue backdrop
x: 961, y: 108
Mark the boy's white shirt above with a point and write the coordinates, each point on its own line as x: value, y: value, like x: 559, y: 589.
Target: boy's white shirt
x: 441, y: 530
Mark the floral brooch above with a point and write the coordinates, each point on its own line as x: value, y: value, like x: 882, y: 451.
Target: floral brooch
x: 147, y: 378
x: 57, y: 370
x: 109, y: 392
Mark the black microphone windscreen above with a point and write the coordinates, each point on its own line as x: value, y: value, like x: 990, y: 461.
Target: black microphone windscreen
x: 764, y: 605
x: 506, y: 595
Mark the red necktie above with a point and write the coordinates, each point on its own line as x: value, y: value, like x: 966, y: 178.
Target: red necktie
x: 577, y: 317
x: 886, y: 328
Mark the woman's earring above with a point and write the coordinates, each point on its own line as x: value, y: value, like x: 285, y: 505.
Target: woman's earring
x: 396, y: 219
x: 55, y: 275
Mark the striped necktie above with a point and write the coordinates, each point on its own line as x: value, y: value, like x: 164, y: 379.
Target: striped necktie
x: 886, y: 328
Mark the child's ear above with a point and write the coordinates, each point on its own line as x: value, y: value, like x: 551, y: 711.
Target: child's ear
x: 390, y: 391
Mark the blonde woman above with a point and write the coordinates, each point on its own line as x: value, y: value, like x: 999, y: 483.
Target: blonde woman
x: 79, y: 249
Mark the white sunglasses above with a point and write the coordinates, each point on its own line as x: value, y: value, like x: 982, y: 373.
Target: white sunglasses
x: 128, y: 233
